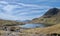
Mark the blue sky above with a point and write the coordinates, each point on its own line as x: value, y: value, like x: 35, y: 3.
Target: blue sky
x: 25, y: 9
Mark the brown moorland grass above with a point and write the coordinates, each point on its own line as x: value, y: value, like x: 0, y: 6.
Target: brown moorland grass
x: 36, y: 31
x: 46, y: 30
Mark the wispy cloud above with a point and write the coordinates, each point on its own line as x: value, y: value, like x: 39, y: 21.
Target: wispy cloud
x: 15, y: 10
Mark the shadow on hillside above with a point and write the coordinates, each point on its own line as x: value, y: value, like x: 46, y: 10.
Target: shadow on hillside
x: 53, y: 34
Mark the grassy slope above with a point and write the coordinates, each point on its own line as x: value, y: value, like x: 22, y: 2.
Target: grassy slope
x: 9, y: 22
x: 36, y: 31
x: 48, y: 18
x: 52, y: 29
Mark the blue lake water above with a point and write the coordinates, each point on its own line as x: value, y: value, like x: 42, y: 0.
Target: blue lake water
x: 32, y: 26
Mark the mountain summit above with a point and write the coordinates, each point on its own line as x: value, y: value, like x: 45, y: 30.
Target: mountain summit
x: 52, y: 16
x: 51, y: 12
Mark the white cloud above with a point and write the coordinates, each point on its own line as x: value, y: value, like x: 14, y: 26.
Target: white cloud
x: 23, y: 10
x: 3, y: 2
x: 7, y: 16
x: 31, y: 5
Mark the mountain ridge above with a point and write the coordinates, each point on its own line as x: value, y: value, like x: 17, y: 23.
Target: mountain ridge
x: 52, y: 16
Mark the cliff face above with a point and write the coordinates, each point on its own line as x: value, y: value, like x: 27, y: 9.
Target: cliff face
x: 52, y: 16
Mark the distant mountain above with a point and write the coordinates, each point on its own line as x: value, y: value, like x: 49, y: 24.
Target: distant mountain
x: 23, y: 20
x: 26, y: 21
x: 52, y: 16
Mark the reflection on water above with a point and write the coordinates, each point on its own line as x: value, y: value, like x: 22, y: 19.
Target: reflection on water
x: 32, y: 26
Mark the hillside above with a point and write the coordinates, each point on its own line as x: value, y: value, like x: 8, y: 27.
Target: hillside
x: 46, y: 30
x: 34, y: 32
x: 9, y: 22
x: 52, y: 16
